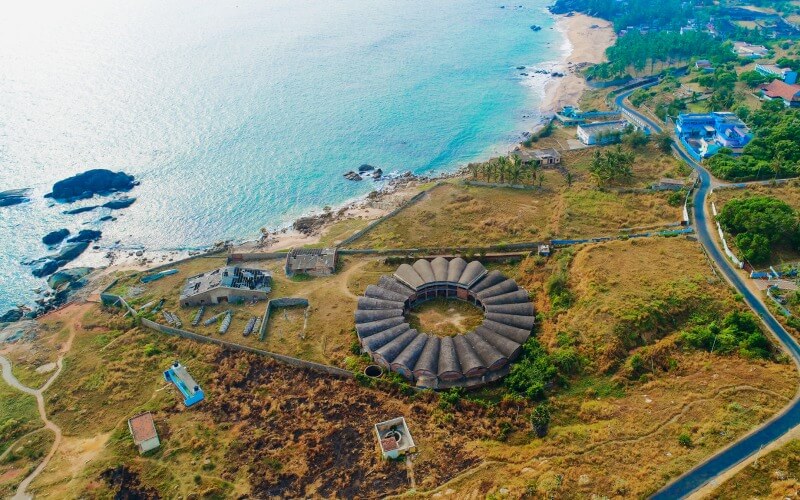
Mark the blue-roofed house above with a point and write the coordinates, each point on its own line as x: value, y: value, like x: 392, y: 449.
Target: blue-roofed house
x: 177, y: 375
x: 706, y: 133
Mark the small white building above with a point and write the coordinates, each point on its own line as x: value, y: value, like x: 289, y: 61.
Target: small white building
x: 143, y: 430
x: 394, y: 438
x: 601, y: 133
x: 744, y: 49
x: 547, y: 156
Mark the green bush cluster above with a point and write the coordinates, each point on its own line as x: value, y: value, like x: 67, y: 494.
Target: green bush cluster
x: 533, y: 372
x: 737, y: 332
x: 759, y: 222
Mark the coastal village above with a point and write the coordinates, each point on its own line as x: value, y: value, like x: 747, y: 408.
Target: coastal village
x: 552, y: 322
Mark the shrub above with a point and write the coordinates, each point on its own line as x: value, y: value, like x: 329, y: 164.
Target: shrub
x: 685, y: 440
x: 533, y: 372
x: 540, y: 419
x: 151, y: 350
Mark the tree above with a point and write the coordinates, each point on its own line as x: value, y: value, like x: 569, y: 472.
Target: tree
x: 612, y: 165
x: 753, y: 78
x: 758, y: 223
x: 570, y: 177
x: 664, y: 142
x: 540, y: 419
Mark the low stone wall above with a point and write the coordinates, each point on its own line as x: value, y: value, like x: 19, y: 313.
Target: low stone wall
x: 300, y: 363
x: 248, y: 256
x: 503, y: 185
x: 278, y: 304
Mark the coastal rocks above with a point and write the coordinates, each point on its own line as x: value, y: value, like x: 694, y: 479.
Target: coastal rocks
x: 11, y: 316
x: 352, y: 176
x: 47, y: 268
x: 85, y: 236
x: 68, y: 253
x: 119, y: 204
x: 13, y: 197
x: 76, y: 211
x: 377, y: 174
x: 536, y: 27
x: 557, y: 74
x: 365, y: 168
x: 87, y: 184
x: 312, y: 224
x: 68, y: 277
x: 55, y: 237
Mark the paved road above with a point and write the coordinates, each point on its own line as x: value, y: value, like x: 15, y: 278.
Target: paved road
x: 781, y: 423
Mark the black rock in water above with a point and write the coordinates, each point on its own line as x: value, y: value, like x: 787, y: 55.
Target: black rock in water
x: 76, y: 211
x: 87, y: 184
x: 49, y: 267
x: 352, y: 176
x: 55, y: 237
x: 365, y: 168
x: 119, y: 204
x: 11, y: 316
x: 86, y: 235
x: 13, y: 197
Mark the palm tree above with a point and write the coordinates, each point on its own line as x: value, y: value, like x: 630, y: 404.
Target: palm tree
x: 502, y: 167
x: 570, y: 177
x: 777, y: 163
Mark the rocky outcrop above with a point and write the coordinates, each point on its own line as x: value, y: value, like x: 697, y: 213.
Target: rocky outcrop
x: 90, y: 183
x: 85, y: 236
x: 76, y: 211
x: 68, y: 277
x: 11, y: 316
x: 55, y: 237
x: 13, y: 197
x: 68, y: 253
x: 352, y: 176
x: 365, y: 168
x: 119, y: 204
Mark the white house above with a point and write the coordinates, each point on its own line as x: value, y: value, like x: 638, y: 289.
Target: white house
x: 601, y: 132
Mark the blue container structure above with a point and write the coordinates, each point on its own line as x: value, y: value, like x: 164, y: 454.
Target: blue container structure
x: 157, y: 276
x: 178, y: 375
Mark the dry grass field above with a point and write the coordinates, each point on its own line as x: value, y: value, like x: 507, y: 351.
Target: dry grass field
x: 445, y: 317
x: 269, y: 430
x: 470, y: 216
x: 774, y: 475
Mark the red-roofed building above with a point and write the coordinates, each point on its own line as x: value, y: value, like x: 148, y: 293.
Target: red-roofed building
x: 143, y: 430
x: 781, y: 90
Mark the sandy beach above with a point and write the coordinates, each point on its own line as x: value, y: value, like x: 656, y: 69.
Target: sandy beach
x: 588, y: 37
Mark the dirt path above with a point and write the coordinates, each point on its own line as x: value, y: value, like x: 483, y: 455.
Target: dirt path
x: 11, y: 380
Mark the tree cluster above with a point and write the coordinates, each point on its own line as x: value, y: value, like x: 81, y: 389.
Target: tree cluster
x: 737, y: 332
x: 636, y: 50
x: 758, y: 223
x: 612, y: 165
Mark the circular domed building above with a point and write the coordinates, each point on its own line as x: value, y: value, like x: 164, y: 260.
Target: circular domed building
x: 438, y: 362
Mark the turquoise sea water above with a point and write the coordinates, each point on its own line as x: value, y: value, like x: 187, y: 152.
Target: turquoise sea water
x: 240, y: 115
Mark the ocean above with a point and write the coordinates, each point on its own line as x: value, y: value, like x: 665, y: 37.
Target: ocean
x: 241, y: 115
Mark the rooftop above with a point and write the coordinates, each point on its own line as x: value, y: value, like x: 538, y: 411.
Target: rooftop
x: 142, y: 427
x: 228, y: 277
x: 309, y: 258
x: 779, y: 89
x: 604, y: 126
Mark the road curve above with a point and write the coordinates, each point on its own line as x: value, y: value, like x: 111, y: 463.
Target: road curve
x: 789, y: 417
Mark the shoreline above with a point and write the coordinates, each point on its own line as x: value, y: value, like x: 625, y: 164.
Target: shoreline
x: 585, y: 41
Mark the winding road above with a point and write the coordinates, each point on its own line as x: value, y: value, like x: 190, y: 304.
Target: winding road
x: 780, y: 424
